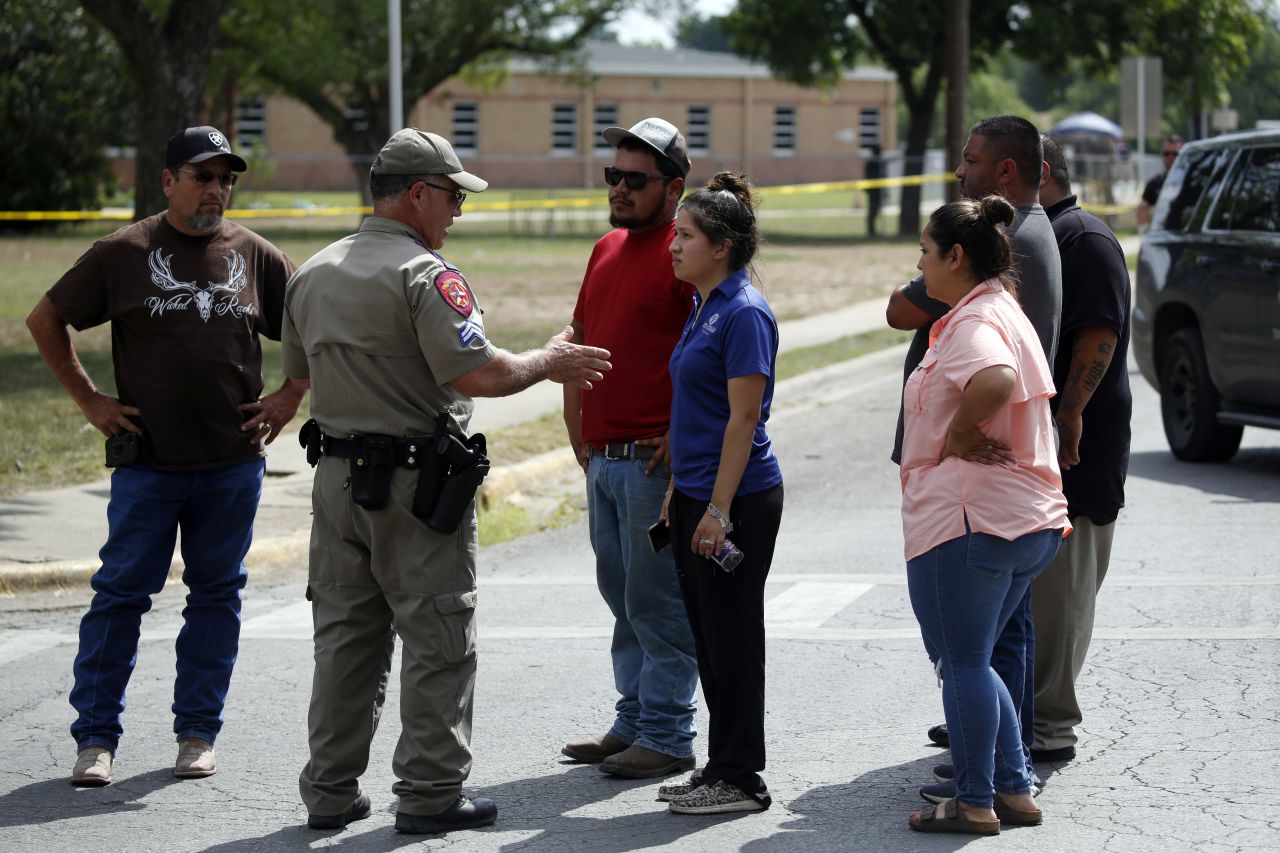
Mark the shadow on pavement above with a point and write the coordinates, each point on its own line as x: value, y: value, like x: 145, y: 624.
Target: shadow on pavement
x: 538, y: 808
x: 52, y: 800
x: 1252, y: 476
x: 867, y: 813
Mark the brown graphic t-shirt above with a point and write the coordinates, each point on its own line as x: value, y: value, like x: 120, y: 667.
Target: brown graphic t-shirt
x: 185, y: 315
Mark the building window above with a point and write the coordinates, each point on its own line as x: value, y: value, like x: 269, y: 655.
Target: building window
x: 606, y: 116
x: 869, y: 127
x: 564, y: 128
x: 698, y: 129
x: 784, y: 130
x: 466, y: 126
x: 251, y: 122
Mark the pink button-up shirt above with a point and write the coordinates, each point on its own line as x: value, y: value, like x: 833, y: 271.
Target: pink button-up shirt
x: 986, y: 328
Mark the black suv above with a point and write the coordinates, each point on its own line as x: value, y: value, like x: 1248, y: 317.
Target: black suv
x: 1206, y: 326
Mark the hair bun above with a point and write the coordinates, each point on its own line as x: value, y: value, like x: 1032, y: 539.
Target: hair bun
x: 996, y: 210
x: 731, y: 182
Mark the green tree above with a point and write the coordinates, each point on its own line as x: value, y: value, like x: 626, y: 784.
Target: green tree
x: 1255, y: 92
x: 167, y: 46
x: 1204, y: 44
x: 702, y: 33
x: 60, y: 105
x: 334, y: 56
x: 811, y: 42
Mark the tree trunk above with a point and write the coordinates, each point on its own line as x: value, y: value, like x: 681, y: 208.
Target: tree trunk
x: 919, y: 122
x: 168, y: 61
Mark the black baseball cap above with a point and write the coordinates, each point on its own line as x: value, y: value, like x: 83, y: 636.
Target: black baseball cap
x: 661, y: 136
x: 197, y: 144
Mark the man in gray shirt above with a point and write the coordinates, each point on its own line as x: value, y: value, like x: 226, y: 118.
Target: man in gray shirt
x: 1003, y: 156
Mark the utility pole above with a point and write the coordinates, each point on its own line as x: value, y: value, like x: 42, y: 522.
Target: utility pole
x: 395, y: 67
x: 957, y: 58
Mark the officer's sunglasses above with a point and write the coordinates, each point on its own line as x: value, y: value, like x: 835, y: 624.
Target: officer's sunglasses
x: 206, y: 177
x: 635, y: 180
x: 458, y: 195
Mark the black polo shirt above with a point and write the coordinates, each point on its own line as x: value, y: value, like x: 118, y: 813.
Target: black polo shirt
x: 1095, y: 292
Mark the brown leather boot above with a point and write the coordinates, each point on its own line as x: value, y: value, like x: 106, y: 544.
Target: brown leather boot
x: 637, y: 762
x: 593, y: 750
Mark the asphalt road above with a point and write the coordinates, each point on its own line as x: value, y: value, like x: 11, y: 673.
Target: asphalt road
x: 1178, y: 748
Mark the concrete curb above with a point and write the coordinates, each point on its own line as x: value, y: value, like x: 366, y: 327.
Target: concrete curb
x: 282, y: 550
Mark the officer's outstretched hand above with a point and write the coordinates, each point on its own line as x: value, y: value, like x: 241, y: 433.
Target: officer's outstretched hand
x: 574, y: 364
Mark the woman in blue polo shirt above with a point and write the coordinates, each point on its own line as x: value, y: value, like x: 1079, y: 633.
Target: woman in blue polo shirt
x: 726, y: 487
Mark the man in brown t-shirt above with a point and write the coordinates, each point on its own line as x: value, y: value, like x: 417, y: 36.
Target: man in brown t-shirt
x: 187, y: 295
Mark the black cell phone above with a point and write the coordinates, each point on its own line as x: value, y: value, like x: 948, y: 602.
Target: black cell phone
x: 122, y: 449
x: 659, y: 535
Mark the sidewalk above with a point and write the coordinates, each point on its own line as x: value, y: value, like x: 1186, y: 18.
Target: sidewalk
x: 51, y: 538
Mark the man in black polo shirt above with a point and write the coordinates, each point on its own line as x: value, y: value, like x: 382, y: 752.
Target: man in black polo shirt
x: 1168, y: 153
x: 1092, y: 411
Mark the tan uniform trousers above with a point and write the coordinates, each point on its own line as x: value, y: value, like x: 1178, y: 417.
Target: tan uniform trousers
x: 375, y: 574
x: 1062, y: 604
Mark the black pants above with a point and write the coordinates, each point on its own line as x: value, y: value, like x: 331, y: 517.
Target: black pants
x: 726, y: 613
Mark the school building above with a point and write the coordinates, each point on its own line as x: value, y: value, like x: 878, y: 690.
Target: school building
x: 537, y: 129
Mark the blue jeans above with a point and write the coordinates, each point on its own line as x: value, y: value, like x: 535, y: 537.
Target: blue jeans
x: 214, y: 508
x: 655, y: 668
x: 963, y: 593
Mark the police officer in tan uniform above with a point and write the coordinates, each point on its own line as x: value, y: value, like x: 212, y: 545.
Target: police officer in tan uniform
x: 390, y: 337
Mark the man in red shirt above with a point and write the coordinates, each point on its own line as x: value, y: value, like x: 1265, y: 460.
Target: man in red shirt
x: 632, y: 304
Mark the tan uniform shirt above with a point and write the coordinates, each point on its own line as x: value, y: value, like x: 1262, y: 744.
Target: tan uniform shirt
x: 380, y: 325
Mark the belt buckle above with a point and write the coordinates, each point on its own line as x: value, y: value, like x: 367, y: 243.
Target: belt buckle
x: 626, y: 450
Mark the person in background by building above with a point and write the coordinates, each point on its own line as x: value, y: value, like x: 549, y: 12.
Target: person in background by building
x: 632, y: 304
x: 392, y: 340
x: 1092, y: 410
x: 1168, y: 153
x: 187, y: 295
x: 982, y: 504
x: 1002, y: 156
x: 873, y: 170
x: 725, y: 480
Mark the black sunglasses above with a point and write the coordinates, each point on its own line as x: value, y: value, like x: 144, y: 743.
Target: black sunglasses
x: 205, y: 177
x: 458, y: 195
x: 635, y: 180
x: 1168, y: 153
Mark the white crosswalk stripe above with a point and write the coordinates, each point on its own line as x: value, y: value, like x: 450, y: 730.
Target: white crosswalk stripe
x: 799, y: 610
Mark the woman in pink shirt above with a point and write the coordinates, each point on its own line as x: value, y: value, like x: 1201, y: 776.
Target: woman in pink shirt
x: 982, y: 504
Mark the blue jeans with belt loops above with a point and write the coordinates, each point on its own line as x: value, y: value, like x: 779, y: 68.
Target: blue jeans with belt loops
x: 214, y: 508
x: 655, y: 667
x: 963, y: 592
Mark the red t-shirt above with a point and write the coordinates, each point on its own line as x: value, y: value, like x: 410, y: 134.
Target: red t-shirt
x: 632, y: 304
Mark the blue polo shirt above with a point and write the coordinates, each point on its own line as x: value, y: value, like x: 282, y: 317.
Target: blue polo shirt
x: 734, y: 335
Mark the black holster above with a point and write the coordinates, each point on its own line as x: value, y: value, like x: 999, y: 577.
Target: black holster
x: 451, y: 472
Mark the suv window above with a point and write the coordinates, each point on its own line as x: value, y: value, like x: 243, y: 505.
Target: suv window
x: 1194, y: 176
x: 1252, y: 204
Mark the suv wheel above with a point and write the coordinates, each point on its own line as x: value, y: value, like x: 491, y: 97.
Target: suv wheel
x: 1189, y: 404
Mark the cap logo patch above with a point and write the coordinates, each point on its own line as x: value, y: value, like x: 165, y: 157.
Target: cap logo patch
x: 452, y: 287
x: 217, y: 139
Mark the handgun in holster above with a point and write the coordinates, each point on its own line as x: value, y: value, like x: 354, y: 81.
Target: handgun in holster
x: 311, y: 438
x: 449, y: 477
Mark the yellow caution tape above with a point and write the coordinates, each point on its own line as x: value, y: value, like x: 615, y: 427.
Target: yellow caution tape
x: 527, y: 204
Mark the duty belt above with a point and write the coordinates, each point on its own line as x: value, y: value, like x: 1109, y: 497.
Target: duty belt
x: 409, y: 452
x: 624, y: 450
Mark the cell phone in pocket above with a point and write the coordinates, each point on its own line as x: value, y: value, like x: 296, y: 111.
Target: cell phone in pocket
x: 659, y: 535
x: 122, y: 449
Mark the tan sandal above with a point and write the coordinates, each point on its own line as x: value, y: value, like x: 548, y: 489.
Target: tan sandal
x: 1016, y: 817
x: 947, y: 816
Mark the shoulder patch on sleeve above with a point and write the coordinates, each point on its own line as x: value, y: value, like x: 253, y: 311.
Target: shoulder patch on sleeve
x: 452, y: 288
